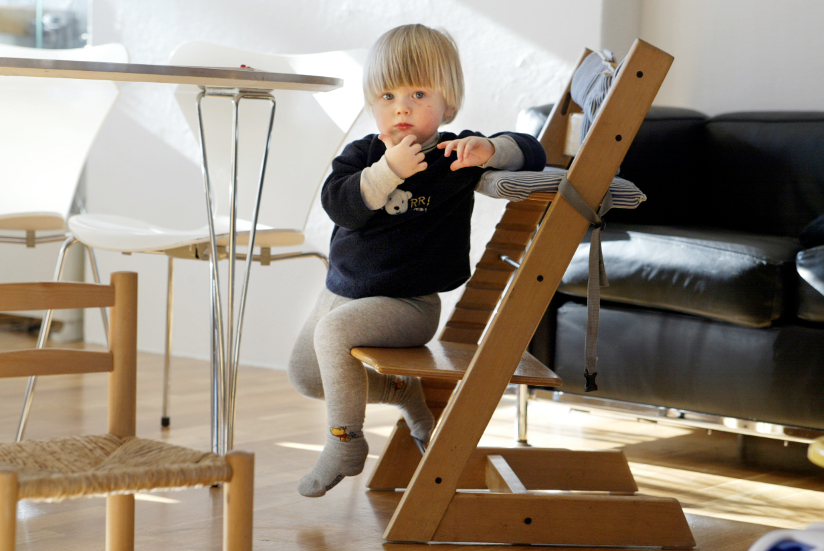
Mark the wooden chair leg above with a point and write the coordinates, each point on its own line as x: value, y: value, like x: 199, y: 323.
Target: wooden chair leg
x: 238, y: 502
x: 397, y: 462
x: 8, y: 509
x: 400, y: 456
x: 120, y: 523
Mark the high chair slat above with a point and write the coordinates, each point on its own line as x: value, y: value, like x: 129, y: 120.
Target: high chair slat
x: 484, y: 276
x: 480, y: 297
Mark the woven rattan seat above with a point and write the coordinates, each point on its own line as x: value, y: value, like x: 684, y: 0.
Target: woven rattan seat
x: 117, y: 464
x: 64, y: 468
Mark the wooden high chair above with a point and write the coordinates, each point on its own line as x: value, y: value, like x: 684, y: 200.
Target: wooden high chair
x: 596, y: 501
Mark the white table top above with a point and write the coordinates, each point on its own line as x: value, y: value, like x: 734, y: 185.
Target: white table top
x: 241, y: 78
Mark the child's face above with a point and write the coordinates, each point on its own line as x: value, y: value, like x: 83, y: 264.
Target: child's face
x: 418, y: 111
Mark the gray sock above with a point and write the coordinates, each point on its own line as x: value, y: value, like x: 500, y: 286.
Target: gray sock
x: 407, y: 394
x: 343, y: 455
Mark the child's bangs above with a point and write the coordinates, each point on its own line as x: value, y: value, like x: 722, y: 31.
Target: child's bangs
x: 397, y: 72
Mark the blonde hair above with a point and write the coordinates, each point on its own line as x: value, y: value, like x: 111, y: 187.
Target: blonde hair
x: 415, y: 55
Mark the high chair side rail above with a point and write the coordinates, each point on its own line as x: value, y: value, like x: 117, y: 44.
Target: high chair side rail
x: 432, y: 489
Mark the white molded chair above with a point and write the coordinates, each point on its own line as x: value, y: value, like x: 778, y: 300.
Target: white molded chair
x: 309, y: 130
x: 49, y: 126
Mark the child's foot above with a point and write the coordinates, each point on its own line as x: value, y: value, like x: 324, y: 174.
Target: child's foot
x: 409, y: 397
x: 343, y: 455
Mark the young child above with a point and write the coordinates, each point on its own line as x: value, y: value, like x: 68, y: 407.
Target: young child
x: 401, y: 204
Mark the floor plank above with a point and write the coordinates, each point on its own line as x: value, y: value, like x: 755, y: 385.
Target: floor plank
x: 728, y: 505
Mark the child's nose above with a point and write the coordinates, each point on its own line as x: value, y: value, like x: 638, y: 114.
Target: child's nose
x: 403, y: 106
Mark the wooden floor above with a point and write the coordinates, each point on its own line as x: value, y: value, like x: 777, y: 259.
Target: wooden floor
x: 728, y: 505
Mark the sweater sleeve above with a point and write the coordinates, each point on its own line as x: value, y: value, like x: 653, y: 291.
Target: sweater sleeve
x: 533, y: 151
x: 508, y: 155
x: 341, y: 195
x: 377, y: 184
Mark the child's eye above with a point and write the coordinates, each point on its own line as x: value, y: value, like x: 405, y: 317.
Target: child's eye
x: 388, y: 96
x: 418, y: 95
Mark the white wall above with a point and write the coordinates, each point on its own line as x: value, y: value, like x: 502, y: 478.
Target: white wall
x: 729, y: 55
x: 147, y: 162
x: 739, y: 55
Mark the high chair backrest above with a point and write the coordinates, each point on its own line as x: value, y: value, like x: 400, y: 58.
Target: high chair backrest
x: 561, y: 137
x: 308, y: 130
x: 49, y: 126
x: 120, y: 361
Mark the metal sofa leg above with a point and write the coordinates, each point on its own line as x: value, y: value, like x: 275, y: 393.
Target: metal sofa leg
x: 520, y: 415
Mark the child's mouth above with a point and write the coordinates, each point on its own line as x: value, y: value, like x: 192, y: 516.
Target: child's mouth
x: 403, y: 126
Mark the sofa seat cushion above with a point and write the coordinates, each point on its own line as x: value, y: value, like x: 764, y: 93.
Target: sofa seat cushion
x: 684, y: 362
x: 721, y: 275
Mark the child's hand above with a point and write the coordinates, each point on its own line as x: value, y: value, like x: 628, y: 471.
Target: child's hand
x: 471, y: 151
x: 404, y: 158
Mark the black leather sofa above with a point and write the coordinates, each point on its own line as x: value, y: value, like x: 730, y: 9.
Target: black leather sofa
x: 706, y: 313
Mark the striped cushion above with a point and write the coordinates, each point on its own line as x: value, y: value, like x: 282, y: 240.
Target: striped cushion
x: 590, y: 85
x: 516, y: 186
x: 589, y: 88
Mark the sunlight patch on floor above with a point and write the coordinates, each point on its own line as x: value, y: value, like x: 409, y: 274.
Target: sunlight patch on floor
x: 556, y: 425
x: 382, y: 430
x: 732, y: 498
x: 155, y: 498
x: 310, y: 447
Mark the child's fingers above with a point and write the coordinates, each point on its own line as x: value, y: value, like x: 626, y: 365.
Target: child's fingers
x: 448, y: 146
x: 463, y: 149
x: 387, y: 140
x: 464, y: 157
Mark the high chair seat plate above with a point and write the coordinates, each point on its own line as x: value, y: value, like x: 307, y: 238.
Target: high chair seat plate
x: 447, y: 361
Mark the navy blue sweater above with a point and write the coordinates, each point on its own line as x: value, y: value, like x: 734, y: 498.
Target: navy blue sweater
x: 423, y: 246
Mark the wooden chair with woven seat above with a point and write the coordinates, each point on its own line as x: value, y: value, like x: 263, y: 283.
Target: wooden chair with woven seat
x: 116, y: 464
x: 595, y: 502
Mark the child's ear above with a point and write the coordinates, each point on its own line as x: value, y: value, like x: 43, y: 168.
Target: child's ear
x: 449, y: 113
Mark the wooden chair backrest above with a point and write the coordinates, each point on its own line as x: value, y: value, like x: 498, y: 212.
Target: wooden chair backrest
x: 120, y: 360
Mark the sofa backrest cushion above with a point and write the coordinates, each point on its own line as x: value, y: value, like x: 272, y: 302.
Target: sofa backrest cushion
x: 661, y: 161
x: 759, y: 172
x: 767, y: 171
x: 664, y: 161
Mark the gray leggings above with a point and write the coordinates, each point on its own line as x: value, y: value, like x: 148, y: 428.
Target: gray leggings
x: 321, y: 365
